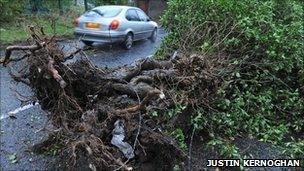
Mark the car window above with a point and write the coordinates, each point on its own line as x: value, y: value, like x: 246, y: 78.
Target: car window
x: 142, y: 15
x: 107, y: 12
x: 131, y: 15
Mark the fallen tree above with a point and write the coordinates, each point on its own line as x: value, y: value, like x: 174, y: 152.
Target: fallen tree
x: 102, y: 116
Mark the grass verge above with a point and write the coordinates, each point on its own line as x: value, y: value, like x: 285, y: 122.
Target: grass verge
x: 54, y: 24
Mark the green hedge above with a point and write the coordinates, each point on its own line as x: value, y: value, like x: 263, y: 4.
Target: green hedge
x: 263, y: 95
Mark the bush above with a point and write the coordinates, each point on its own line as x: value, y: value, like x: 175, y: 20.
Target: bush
x: 108, y: 2
x: 10, y: 9
x: 262, y: 93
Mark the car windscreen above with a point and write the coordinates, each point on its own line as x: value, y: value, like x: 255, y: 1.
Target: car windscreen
x: 107, y: 12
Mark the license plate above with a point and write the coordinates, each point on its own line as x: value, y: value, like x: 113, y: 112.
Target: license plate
x: 90, y: 25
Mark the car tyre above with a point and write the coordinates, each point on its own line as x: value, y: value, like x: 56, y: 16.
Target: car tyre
x: 154, y: 35
x: 128, y: 42
x: 88, y: 43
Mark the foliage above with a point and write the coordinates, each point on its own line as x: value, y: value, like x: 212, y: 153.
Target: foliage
x: 294, y: 149
x: 55, y: 6
x: 108, y: 2
x: 180, y: 137
x: 178, y: 109
x: 225, y: 148
x: 53, y: 22
x: 10, y: 9
x: 262, y: 92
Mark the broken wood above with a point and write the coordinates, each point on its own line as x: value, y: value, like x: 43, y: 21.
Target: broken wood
x: 8, y: 51
x: 55, y: 74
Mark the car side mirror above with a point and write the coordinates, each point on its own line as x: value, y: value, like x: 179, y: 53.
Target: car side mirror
x: 148, y: 19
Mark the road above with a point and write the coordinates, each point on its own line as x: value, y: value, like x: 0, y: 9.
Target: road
x: 19, y: 134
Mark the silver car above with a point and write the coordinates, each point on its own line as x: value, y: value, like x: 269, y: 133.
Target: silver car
x: 110, y: 24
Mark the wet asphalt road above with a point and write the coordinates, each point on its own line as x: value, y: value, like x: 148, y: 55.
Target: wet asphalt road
x: 19, y: 134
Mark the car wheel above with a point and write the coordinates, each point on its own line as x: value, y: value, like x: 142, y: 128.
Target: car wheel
x: 154, y: 35
x: 88, y: 43
x: 127, y: 44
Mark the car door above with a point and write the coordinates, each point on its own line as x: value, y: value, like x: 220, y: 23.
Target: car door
x: 134, y: 23
x: 146, y: 27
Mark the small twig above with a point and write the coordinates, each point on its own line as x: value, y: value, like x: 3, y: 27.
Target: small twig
x: 14, y: 59
x: 8, y: 51
x: 123, y: 165
x: 71, y: 55
x: 190, y: 151
x: 90, y: 62
x: 138, y: 131
x: 18, y: 78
